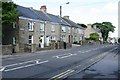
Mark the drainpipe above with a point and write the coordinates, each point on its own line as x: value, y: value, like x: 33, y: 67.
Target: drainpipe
x: 44, y: 33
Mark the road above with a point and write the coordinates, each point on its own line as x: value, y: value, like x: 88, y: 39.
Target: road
x: 54, y: 64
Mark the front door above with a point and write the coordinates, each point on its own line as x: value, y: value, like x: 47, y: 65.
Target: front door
x: 42, y: 41
x: 47, y: 40
x: 69, y: 39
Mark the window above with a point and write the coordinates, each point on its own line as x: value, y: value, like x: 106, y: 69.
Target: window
x: 52, y: 37
x: 63, y: 29
x: 30, y: 26
x: 53, y: 28
x: 14, y: 40
x: 69, y: 30
x: 42, y: 27
x: 63, y: 37
x: 14, y: 25
x: 75, y: 38
x: 30, y: 39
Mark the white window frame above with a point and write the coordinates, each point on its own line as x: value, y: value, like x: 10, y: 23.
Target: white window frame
x: 30, y: 39
x: 63, y: 37
x: 53, y: 28
x: 53, y: 38
x: 31, y: 26
x: 14, y: 40
x: 69, y: 29
x: 42, y: 27
x: 63, y: 29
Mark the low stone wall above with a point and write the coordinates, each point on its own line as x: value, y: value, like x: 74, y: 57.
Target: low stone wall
x: 56, y: 45
x: 7, y: 49
x: 90, y: 42
x: 30, y: 48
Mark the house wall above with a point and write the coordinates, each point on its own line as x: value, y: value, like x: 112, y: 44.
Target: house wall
x: 24, y: 34
x: 90, y: 30
x: 49, y: 32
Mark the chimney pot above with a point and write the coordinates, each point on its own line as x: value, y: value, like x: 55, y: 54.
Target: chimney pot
x: 43, y: 8
x: 66, y: 17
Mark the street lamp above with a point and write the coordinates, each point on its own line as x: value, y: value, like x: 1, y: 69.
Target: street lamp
x: 61, y: 18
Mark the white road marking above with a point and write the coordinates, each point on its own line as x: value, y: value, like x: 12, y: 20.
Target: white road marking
x: 86, y: 51
x: 66, y: 74
x: 2, y: 68
x: 21, y: 63
x: 78, y: 66
x: 64, y: 55
x: 67, y: 56
x: 37, y: 61
x: 26, y: 66
x: 63, y: 74
x: 81, y: 51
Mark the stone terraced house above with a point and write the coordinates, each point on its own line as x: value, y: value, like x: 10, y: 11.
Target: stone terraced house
x: 36, y: 29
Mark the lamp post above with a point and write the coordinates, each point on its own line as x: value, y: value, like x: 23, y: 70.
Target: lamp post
x: 61, y: 19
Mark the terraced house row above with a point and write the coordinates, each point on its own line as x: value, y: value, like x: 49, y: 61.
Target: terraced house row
x: 37, y: 29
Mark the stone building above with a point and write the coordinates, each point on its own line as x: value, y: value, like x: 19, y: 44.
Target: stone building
x: 37, y: 29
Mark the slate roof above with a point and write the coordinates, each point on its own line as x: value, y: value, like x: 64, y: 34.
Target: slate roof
x: 26, y: 12
x: 42, y: 15
x: 57, y: 19
x: 39, y: 15
x: 73, y: 24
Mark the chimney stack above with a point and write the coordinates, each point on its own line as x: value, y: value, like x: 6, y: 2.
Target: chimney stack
x: 66, y: 17
x: 43, y: 8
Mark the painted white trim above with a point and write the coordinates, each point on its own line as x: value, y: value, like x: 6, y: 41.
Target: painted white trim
x: 20, y: 17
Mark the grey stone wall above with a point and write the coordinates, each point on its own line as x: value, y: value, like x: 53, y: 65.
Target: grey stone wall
x: 7, y: 49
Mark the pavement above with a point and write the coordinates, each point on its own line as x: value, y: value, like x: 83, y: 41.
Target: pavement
x: 25, y: 54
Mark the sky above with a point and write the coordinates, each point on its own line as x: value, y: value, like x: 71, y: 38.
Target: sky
x: 80, y: 11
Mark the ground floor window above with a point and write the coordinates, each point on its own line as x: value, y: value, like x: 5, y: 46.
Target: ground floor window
x: 53, y: 37
x: 14, y: 40
x: 30, y: 39
x: 63, y: 37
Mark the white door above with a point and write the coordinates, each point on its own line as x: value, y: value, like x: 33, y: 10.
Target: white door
x: 42, y: 42
x: 47, y: 41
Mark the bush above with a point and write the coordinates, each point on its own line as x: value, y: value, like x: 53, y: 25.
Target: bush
x: 94, y: 36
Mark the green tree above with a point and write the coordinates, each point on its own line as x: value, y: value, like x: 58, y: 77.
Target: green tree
x: 118, y: 40
x: 94, y: 36
x: 105, y: 28
x: 9, y: 13
x: 82, y: 25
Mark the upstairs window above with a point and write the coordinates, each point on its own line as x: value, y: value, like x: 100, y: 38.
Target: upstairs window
x: 63, y: 29
x: 69, y: 30
x: 53, y: 28
x: 42, y: 27
x: 30, y: 26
